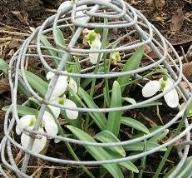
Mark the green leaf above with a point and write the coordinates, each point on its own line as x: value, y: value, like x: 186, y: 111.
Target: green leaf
x: 155, y: 103
x: 106, y: 136
x: 114, y: 118
x: 23, y: 110
x: 139, y: 147
x: 129, y: 166
x: 132, y: 63
x: 157, y: 138
x: 128, y: 121
x: 185, y: 171
x: 58, y: 36
x: 189, y: 110
x: 3, y: 66
x: 48, y: 45
x: 37, y: 83
x: 99, y: 118
x: 97, y: 152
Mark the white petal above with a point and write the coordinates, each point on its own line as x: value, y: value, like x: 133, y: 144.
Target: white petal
x: 71, y: 114
x: 18, y: 130
x: 172, y: 97
x: 73, y: 85
x: 50, y: 124
x: 60, y: 86
x: 55, y: 110
x: 96, y: 45
x: 57, y: 140
x: 151, y: 88
x: 38, y: 145
x: 64, y: 5
x: 49, y: 75
x: 27, y: 121
x: 81, y: 14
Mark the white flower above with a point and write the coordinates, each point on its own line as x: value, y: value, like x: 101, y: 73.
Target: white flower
x: 38, y: 145
x: 28, y: 122
x: 64, y: 5
x: 96, y: 45
x: 73, y: 85
x: 71, y: 114
x: 58, y: 97
x: 152, y: 87
x: 79, y: 9
x: 94, y: 41
x: 63, y: 101
x: 50, y: 124
x: 62, y: 85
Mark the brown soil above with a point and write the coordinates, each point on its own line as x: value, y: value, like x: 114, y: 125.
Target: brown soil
x: 172, y: 17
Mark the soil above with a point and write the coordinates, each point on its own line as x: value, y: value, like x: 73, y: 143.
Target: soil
x: 172, y: 17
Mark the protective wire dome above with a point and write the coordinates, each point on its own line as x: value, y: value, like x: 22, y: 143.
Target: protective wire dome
x: 128, y: 30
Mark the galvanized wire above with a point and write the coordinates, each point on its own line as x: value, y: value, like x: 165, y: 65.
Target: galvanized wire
x: 120, y: 15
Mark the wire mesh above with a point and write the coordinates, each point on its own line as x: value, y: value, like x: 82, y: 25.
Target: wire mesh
x: 136, y: 31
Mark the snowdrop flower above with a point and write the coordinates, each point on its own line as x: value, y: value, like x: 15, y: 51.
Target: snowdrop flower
x: 63, y: 83
x: 28, y: 122
x: 152, y: 87
x: 81, y: 16
x: 94, y: 41
x: 50, y: 124
x: 115, y: 57
x: 59, y: 98
x: 38, y: 145
x: 65, y: 4
x: 73, y: 85
x: 63, y: 101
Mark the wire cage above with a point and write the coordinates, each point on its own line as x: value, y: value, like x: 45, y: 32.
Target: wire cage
x: 128, y: 29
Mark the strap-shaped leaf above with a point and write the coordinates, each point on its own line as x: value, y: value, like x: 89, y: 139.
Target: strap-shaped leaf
x: 99, y: 118
x: 139, y: 147
x: 37, y: 83
x: 23, y: 110
x: 132, y: 63
x: 128, y: 121
x: 58, y: 36
x: 48, y: 45
x: 97, y: 152
x: 185, y: 171
x: 3, y: 66
x: 129, y: 166
x: 114, y: 118
x: 106, y: 136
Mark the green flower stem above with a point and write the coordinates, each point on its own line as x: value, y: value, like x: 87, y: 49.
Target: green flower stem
x: 143, y: 161
x: 70, y: 149
x: 103, y: 46
x: 167, y: 153
x: 106, y: 64
x: 134, y: 81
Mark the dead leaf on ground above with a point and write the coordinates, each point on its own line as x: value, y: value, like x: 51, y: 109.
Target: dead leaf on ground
x: 187, y: 70
x: 4, y: 85
x: 159, y: 4
x: 23, y: 17
x: 177, y: 21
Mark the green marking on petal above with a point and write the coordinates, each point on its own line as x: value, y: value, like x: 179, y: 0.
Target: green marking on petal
x: 32, y: 122
x: 163, y: 85
x: 61, y: 101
